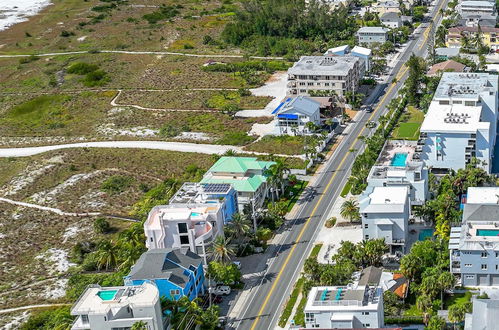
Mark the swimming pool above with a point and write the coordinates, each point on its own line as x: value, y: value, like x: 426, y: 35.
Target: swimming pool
x: 487, y: 232
x: 399, y: 159
x: 107, y: 294
x: 195, y: 214
x: 425, y: 233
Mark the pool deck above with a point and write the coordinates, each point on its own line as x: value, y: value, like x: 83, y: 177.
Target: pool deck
x: 393, y: 147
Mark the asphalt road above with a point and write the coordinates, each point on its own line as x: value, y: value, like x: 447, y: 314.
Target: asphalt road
x: 264, y: 305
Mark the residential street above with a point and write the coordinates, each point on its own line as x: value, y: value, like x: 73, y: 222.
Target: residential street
x: 264, y: 304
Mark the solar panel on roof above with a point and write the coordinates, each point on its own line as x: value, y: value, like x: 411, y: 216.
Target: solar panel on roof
x: 216, y: 187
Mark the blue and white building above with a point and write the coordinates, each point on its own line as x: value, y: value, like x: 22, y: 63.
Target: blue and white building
x: 194, y: 218
x: 357, y: 51
x: 461, y: 122
x: 294, y: 115
x: 474, y: 246
x: 368, y: 35
x: 175, y: 272
x: 385, y: 214
x: 484, y: 316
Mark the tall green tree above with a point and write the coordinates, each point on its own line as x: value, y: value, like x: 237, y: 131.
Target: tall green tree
x: 417, y: 68
x: 221, y: 250
x: 350, y: 210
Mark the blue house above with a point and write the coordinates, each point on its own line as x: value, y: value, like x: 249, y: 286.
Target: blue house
x: 175, y: 272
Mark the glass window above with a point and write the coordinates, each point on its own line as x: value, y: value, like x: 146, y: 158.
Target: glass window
x: 366, y: 225
x: 484, y: 266
x: 184, y: 239
x: 468, y: 265
x: 182, y: 228
x: 484, y: 254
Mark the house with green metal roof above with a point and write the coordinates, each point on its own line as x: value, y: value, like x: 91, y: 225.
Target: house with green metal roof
x: 245, y: 174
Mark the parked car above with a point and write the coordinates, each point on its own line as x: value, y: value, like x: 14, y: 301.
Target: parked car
x: 237, y: 263
x: 367, y: 108
x: 371, y: 124
x: 221, y: 290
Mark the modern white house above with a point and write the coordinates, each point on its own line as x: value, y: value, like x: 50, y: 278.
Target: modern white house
x: 474, y: 246
x: 385, y: 214
x: 111, y: 308
x: 347, y: 307
x: 399, y: 165
x: 325, y: 74
x: 484, y: 316
x: 372, y: 34
x: 461, y: 121
x: 293, y: 116
x: 193, y: 219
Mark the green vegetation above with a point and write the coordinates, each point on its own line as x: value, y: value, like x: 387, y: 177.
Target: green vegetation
x: 116, y: 184
x: 163, y: 13
x: 82, y: 68
x: 93, y: 76
x: 410, y: 122
x: 346, y: 189
x: 330, y: 222
x: 102, y: 226
x: 286, y: 313
x: 283, y: 144
x: 50, y: 318
x: 289, y: 28
x: 315, y: 250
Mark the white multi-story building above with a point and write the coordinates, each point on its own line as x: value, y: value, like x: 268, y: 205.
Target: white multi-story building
x: 473, y: 8
x: 461, y: 121
x: 111, y: 308
x: 372, y: 34
x: 399, y: 165
x: 193, y: 219
x: 335, y: 74
x: 385, y: 214
x: 484, y: 316
x: 474, y: 246
x: 349, y: 307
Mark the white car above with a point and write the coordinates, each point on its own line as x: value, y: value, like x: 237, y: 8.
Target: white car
x: 237, y: 263
x: 221, y: 290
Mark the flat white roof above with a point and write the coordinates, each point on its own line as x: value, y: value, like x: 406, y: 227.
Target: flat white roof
x: 482, y: 195
x: 338, y: 49
x: 98, y: 300
x: 361, y: 50
x: 455, y: 118
x: 389, y: 195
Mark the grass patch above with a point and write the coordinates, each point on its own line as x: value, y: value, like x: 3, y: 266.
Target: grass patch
x: 409, y: 124
x: 286, y: 313
x: 116, y: 184
x: 315, y: 251
x: 413, y: 311
x: 457, y: 299
x: 294, y: 193
x: 285, y: 144
x: 346, y: 189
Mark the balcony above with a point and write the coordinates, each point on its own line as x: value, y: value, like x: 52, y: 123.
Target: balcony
x: 203, y: 232
x: 455, y: 257
x: 291, y: 77
x: 421, y: 142
x: 291, y: 84
x: 79, y: 324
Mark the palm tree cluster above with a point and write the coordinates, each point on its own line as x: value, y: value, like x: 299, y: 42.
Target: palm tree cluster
x: 350, y: 210
x: 363, y: 254
x: 123, y: 253
x: 186, y: 314
x: 276, y: 178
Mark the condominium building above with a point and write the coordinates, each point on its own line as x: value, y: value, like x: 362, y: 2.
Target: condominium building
x: 358, y: 51
x: 193, y: 219
x: 372, y: 34
x: 474, y: 253
x: 385, y: 214
x: 472, y: 7
x: 461, y: 122
x: 246, y: 174
x: 319, y: 74
x: 391, y: 20
x: 111, y: 308
x: 399, y: 164
x: 350, y: 307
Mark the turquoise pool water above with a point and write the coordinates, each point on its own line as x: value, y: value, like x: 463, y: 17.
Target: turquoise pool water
x: 399, y: 159
x: 487, y: 232
x: 195, y: 214
x: 107, y: 294
x: 425, y: 233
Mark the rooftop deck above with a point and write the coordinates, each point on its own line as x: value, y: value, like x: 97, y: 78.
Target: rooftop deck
x: 394, y: 147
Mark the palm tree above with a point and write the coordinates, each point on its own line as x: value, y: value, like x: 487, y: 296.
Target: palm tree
x: 273, y: 180
x: 107, y: 255
x: 329, y: 122
x: 350, y: 210
x: 446, y: 281
x: 241, y: 226
x: 140, y: 325
x: 221, y: 251
x: 409, y: 265
x: 457, y: 313
x: 311, y: 127
x: 424, y: 304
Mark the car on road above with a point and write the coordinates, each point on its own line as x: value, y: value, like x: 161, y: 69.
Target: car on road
x: 371, y: 124
x: 367, y: 108
x: 221, y: 290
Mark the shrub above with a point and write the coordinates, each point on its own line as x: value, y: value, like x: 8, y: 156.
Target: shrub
x: 95, y: 78
x: 116, y: 184
x: 82, y: 68
x: 101, y: 226
x: 29, y: 59
x: 236, y: 138
x: 263, y: 234
x: 164, y: 12
x: 169, y: 131
x: 66, y: 34
x: 330, y: 222
x: 52, y: 318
